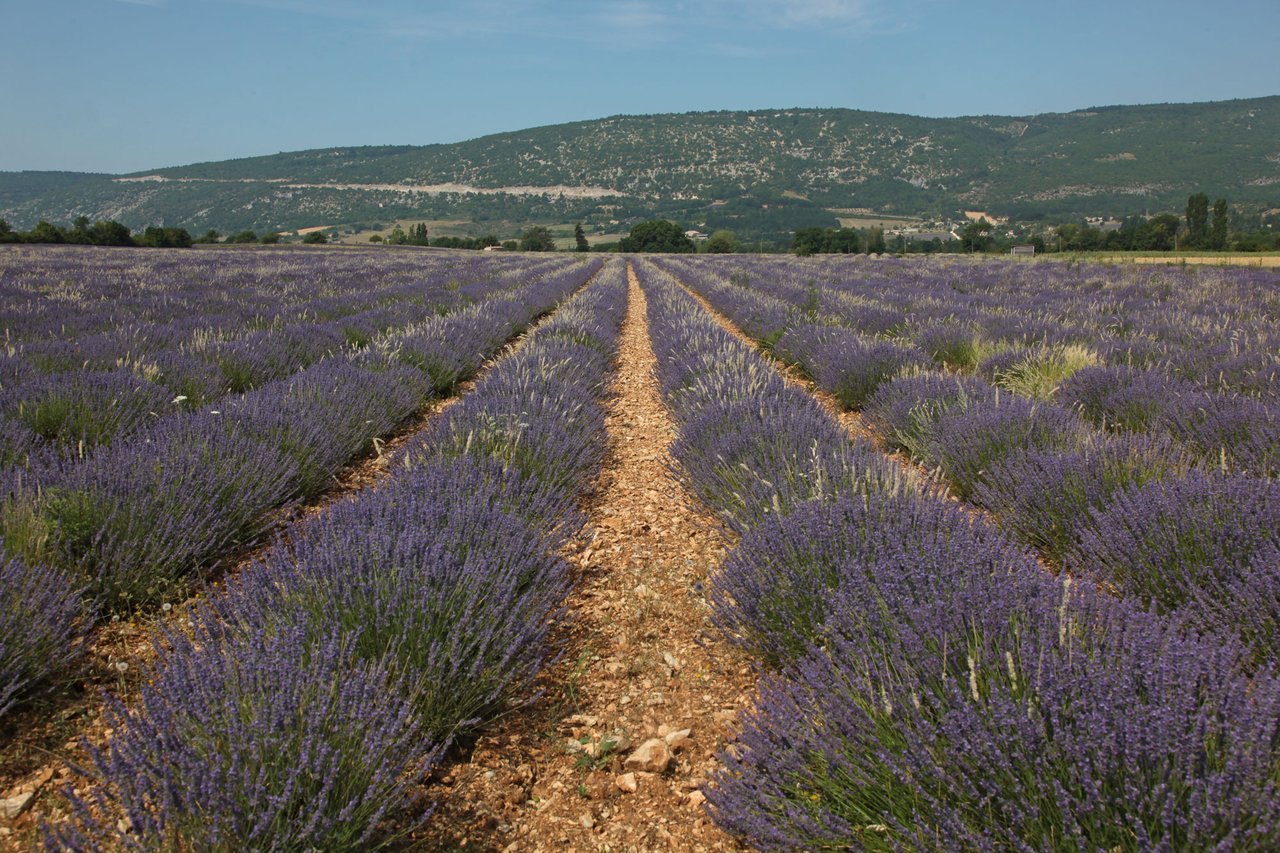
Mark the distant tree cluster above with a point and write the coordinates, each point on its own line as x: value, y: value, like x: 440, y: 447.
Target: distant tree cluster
x: 537, y: 239
x: 1202, y: 227
x: 473, y: 243
x: 656, y: 235
x: 838, y: 241
x: 417, y: 235
x: 104, y: 232
x: 108, y: 232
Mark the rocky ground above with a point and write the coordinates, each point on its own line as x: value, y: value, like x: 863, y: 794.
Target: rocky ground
x: 616, y: 751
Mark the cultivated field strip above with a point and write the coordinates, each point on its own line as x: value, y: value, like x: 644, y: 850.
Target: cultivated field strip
x: 529, y: 626
x: 140, y: 518
x: 292, y: 441
x: 928, y: 683
x: 1180, y: 512
x: 389, y: 626
x: 61, y: 397
x: 1197, y: 358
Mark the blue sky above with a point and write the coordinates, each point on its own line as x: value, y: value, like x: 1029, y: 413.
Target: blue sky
x: 128, y: 85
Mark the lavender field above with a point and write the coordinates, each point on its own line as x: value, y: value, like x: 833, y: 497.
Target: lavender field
x: 1001, y: 545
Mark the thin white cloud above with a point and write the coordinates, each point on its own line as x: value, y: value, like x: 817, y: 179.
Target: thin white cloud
x: 624, y: 24
x: 811, y: 13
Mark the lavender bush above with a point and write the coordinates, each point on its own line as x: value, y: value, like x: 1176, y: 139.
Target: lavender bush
x: 853, y: 370
x: 1044, y: 496
x: 1238, y: 433
x: 954, y: 345
x: 43, y: 622
x: 1177, y: 540
x: 281, y: 742
x: 328, y: 414
x: 1011, y: 713
x: 902, y: 411
x: 969, y: 440
x: 140, y: 520
x: 740, y: 460
x: 436, y: 568
x: 1122, y: 398
x: 774, y: 592
x: 86, y: 408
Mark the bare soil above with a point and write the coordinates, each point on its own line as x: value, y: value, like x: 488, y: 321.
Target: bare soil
x: 640, y: 661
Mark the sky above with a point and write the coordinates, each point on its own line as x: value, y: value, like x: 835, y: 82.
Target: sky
x: 130, y: 85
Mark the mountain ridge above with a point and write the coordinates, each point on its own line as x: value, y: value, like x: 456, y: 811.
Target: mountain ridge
x: 766, y: 170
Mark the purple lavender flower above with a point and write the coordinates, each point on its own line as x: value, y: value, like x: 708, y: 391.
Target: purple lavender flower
x: 1045, y: 495
x: 775, y: 590
x: 1006, y: 712
x: 89, y: 408
x: 437, y: 567
x: 281, y: 742
x: 327, y: 414
x: 43, y: 622
x: 1123, y: 398
x: 969, y: 440
x: 950, y: 344
x: 902, y: 411
x: 1181, y: 539
x: 142, y: 519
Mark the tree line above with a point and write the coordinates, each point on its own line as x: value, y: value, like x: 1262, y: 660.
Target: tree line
x: 104, y: 232
x: 1202, y: 227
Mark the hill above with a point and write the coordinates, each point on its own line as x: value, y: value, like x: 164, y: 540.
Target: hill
x: 759, y: 172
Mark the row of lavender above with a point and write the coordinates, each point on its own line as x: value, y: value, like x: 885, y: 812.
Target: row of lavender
x: 1209, y: 379
x: 319, y: 692
x: 1152, y: 515
x: 137, y: 523
x: 64, y: 386
x: 927, y: 685
x: 1218, y: 328
x: 63, y: 306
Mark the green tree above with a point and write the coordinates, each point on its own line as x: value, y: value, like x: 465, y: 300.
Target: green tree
x: 809, y: 241
x: 418, y: 235
x: 46, y: 232
x: 580, y: 239
x: 974, y: 237
x: 376, y: 238
x: 1160, y: 234
x: 165, y: 238
x: 722, y: 242
x: 1218, y: 231
x: 108, y: 232
x: 243, y: 237
x: 397, y: 236
x: 210, y: 236
x: 537, y: 239
x: 315, y: 238
x: 270, y: 238
x: 1197, y: 221
x: 844, y: 241
x: 875, y: 239
x: 656, y: 235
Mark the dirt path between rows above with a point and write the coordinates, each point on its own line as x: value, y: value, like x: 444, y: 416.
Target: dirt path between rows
x: 641, y: 664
